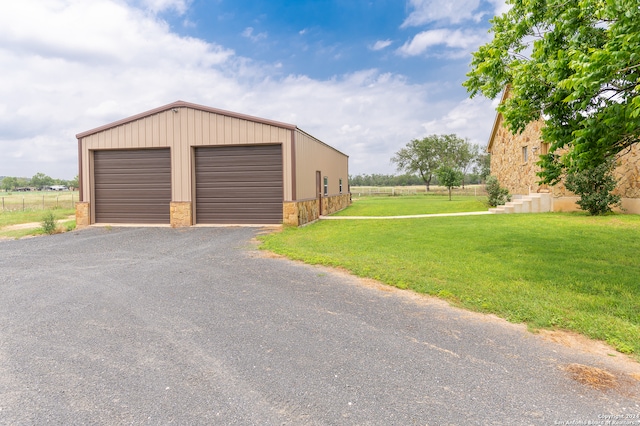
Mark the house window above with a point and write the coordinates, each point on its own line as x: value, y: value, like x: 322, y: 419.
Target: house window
x: 340, y: 186
x: 544, y: 148
x: 326, y: 186
x: 525, y: 154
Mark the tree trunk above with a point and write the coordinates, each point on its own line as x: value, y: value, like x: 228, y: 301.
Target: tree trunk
x: 427, y: 181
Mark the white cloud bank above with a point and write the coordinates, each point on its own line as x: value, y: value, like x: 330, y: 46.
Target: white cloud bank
x: 72, y: 65
x: 457, y: 42
x: 425, y: 11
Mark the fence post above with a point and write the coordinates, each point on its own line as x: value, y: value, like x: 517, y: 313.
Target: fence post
x: 57, y: 199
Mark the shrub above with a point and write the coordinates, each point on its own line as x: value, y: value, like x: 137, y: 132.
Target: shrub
x: 496, y: 194
x: 594, y: 187
x: 49, y: 223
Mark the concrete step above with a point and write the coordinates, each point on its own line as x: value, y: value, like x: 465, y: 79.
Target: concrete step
x: 532, y: 203
x: 515, y: 206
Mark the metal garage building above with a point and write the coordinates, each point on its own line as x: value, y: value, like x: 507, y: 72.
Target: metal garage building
x: 184, y: 164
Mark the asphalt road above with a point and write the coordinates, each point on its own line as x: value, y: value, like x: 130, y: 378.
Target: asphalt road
x: 195, y: 326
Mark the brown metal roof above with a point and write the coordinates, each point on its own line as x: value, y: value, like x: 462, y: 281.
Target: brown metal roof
x: 179, y: 104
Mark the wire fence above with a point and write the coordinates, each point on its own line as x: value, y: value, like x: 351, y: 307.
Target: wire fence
x: 38, y: 200
x: 393, y: 191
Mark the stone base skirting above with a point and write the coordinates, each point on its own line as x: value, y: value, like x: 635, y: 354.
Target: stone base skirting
x: 180, y: 213
x: 298, y: 213
x: 83, y: 215
x: 295, y: 213
x: 568, y: 204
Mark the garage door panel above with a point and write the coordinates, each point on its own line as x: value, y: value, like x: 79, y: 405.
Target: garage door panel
x: 132, y: 186
x: 240, y: 184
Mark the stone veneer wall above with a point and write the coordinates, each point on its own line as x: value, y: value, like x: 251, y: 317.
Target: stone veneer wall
x: 299, y: 213
x: 180, y: 214
x: 520, y: 177
x: 83, y: 215
x: 507, y: 163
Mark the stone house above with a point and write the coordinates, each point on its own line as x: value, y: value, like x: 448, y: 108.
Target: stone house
x: 514, y: 158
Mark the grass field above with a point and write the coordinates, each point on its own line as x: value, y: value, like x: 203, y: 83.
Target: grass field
x: 30, y: 207
x: 41, y: 200
x: 414, y: 204
x: 556, y: 271
x: 366, y: 191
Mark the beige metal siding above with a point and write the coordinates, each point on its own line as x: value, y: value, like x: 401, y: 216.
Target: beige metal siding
x: 180, y: 131
x: 313, y: 155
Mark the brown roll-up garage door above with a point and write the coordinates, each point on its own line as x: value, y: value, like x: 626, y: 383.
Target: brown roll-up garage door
x: 132, y: 186
x: 239, y: 184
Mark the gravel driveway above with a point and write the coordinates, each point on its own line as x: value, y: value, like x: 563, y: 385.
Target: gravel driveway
x: 195, y: 326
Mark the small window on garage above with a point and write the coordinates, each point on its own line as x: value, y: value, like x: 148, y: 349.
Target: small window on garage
x: 525, y: 154
x: 326, y: 186
x: 341, y: 186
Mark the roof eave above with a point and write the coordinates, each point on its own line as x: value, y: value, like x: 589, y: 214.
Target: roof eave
x: 496, y: 121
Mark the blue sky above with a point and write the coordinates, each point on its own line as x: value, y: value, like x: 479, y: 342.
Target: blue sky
x: 363, y: 76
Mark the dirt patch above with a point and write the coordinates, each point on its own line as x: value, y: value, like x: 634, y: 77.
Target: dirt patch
x: 591, y: 376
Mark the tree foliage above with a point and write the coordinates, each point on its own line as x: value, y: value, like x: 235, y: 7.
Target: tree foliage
x: 419, y: 156
x: 594, y: 187
x: 574, y: 63
x: 482, y: 166
x: 496, y: 195
x: 425, y: 156
x: 450, y: 177
x: 9, y: 183
x: 40, y: 180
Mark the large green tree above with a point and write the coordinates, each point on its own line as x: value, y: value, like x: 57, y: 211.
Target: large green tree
x: 425, y: 156
x: 574, y: 63
x: 420, y: 156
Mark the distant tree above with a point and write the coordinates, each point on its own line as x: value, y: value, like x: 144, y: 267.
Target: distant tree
x: 73, y: 183
x: 40, y: 180
x: 421, y: 156
x: 449, y: 177
x: 459, y: 154
x: 9, y: 183
x: 482, y: 166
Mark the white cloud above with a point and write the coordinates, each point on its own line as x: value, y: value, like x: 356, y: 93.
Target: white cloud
x: 157, y: 6
x: 454, y: 11
x: 69, y: 66
x: 248, y: 33
x: 500, y: 6
x: 460, y: 41
x: 381, y: 44
x: 470, y: 119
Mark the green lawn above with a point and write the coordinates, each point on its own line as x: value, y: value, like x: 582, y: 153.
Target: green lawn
x: 9, y: 218
x: 565, y: 271
x: 416, y: 204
